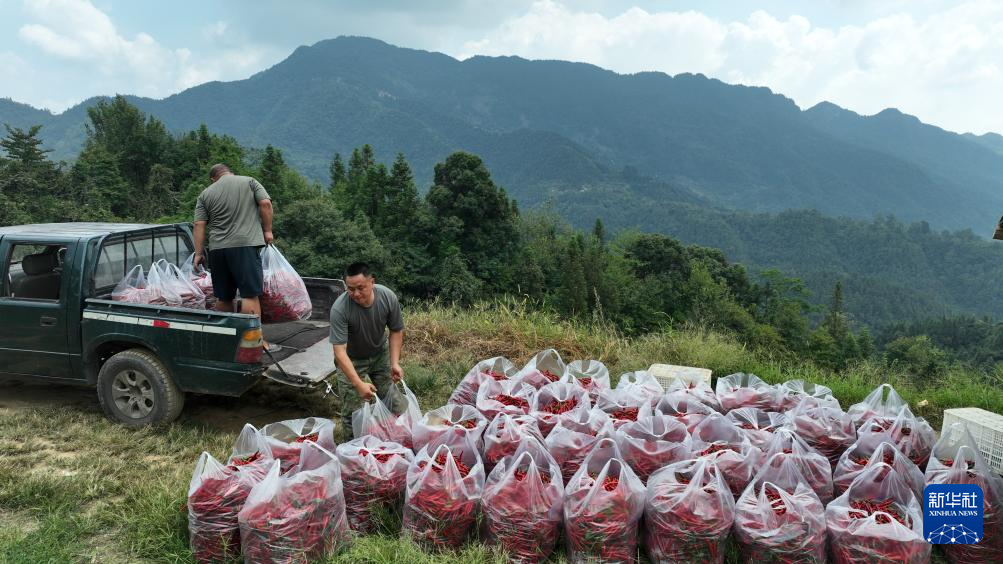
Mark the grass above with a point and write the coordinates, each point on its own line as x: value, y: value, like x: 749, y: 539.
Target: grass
x: 76, y: 488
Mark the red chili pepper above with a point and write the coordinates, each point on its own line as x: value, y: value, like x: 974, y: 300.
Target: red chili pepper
x: 558, y: 407
x: 625, y: 414
x: 284, y: 298
x: 551, y: 376
x: 311, y: 437
x: 244, y: 461
x: 717, y: 447
x: 513, y: 401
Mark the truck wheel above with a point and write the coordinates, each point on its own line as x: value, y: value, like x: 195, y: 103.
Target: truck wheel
x: 135, y: 389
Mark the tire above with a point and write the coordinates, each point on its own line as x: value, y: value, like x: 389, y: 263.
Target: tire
x: 135, y: 389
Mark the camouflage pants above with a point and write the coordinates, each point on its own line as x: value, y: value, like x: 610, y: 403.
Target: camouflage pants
x: 375, y: 369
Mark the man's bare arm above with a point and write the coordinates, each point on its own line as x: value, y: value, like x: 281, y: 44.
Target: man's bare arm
x: 265, y: 211
x: 199, y: 242
x: 396, y: 344
x: 366, y: 390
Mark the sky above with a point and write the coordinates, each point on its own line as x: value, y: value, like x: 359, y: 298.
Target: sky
x: 939, y: 60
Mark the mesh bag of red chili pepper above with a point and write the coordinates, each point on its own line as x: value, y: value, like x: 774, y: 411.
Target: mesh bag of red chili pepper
x: 624, y: 405
x: 132, y: 287
x: 591, y: 375
x: 201, y: 278
x: 603, y: 503
x: 557, y: 400
x: 178, y: 289
x: 870, y: 449
x: 299, y: 517
x: 957, y: 460
x: 462, y: 420
x: 216, y: 494
x: 250, y: 447
x: 640, y: 384
x: 813, y: 466
x: 284, y: 296
x: 375, y: 418
x: 688, y: 513
x: 653, y: 443
x: 574, y: 437
x: 513, y: 397
x: 498, y: 368
x: 778, y: 518
x: 545, y: 367
x: 684, y: 407
x: 912, y: 435
x: 695, y: 386
x: 504, y: 434
x: 373, y: 473
x: 285, y: 439
x: 747, y: 390
x: 877, y: 519
x: 884, y: 401
x: 757, y: 424
x: 717, y: 439
x: 522, y: 507
x: 793, y: 391
x: 444, y: 488
x: 824, y: 427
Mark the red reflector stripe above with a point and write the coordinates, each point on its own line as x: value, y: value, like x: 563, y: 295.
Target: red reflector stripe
x: 161, y: 324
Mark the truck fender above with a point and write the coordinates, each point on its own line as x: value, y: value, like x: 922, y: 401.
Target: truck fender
x: 109, y: 344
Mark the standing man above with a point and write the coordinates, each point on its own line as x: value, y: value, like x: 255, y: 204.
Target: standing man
x: 238, y: 213
x: 359, y: 320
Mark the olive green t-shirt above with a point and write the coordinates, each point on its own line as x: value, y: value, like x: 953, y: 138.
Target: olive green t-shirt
x: 364, y: 329
x: 230, y: 205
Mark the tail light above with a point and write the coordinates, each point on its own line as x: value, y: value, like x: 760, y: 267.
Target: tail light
x: 249, y: 351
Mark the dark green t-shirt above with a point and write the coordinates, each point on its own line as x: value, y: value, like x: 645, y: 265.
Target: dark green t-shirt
x: 364, y: 329
x: 230, y: 206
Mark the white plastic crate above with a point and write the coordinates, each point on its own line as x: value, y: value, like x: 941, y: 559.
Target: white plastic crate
x: 666, y: 373
x: 985, y: 427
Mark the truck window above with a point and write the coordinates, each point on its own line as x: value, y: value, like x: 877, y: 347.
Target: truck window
x: 118, y: 256
x: 35, y: 272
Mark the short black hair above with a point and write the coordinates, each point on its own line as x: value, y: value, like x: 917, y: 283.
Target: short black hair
x: 217, y: 169
x: 357, y: 268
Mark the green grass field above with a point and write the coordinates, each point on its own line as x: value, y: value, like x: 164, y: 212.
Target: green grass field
x: 76, y: 488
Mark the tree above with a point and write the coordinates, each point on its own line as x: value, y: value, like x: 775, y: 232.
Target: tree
x: 273, y: 168
x: 917, y: 355
x: 487, y: 237
x: 136, y: 140
x: 337, y: 173
x: 24, y: 147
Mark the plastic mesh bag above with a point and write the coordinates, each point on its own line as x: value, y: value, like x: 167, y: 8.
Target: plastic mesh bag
x: 376, y: 419
x: 778, y: 517
x: 792, y: 392
x: 557, y: 400
x: 640, y: 384
x: 688, y: 513
x: 824, y: 427
x: 877, y: 520
x: 603, y: 504
x: 814, y: 467
x: 870, y: 449
x: 591, y: 375
x: 545, y: 366
x: 178, y: 289
x: 285, y: 439
x: 373, y: 473
x: 133, y: 288
x: 747, y: 390
x: 299, y: 517
x: 438, y: 425
x: 574, y: 438
x: 504, y: 434
x: 216, y: 494
x: 695, y: 386
x: 201, y: 278
x: 523, y: 505
x: 653, y: 443
x: 715, y: 438
x: 250, y: 447
x: 687, y: 409
x: 912, y: 435
x: 625, y: 405
x: 284, y: 296
x: 957, y: 460
x: 443, y: 493
x: 884, y: 401
x: 498, y: 368
x: 757, y: 424
x: 513, y: 397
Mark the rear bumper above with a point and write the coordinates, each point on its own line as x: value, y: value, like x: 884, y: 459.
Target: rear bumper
x: 200, y: 376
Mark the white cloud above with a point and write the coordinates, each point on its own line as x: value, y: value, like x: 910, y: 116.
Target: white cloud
x: 946, y: 67
x: 78, y: 32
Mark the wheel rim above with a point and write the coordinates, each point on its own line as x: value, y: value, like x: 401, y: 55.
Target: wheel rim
x: 133, y: 394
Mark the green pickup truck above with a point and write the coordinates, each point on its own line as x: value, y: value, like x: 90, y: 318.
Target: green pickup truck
x: 58, y: 323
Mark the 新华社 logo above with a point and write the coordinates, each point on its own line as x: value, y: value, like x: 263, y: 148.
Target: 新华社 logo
x: 952, y: 513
